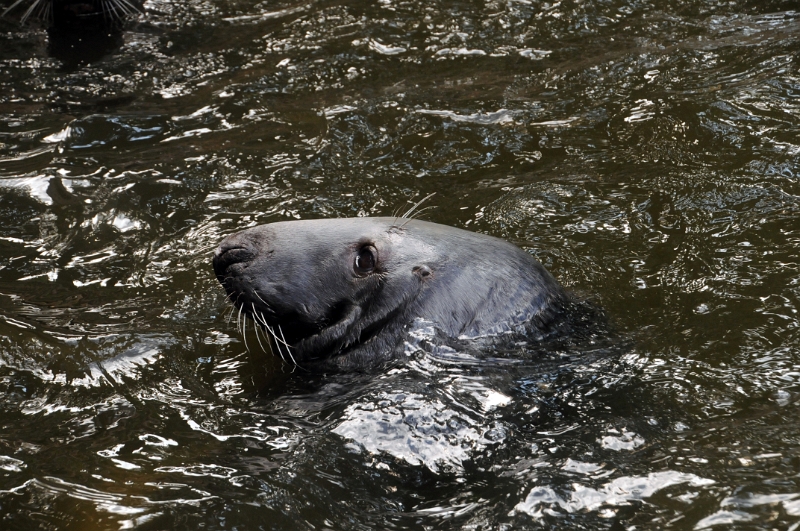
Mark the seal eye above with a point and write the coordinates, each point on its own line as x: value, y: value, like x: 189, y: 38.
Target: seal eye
x: 365, y: 260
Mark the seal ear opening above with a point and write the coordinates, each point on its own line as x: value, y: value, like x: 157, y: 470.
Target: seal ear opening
x: 422, y: 271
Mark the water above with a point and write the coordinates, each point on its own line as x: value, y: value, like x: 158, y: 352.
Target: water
x: 646, y: 152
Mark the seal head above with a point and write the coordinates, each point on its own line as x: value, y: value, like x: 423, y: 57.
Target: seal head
x: 344, y: 291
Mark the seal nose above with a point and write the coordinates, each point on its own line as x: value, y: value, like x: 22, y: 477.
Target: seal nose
x: 232, y: 250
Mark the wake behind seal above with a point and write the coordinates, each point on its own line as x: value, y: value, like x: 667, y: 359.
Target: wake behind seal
x: 343, y: 292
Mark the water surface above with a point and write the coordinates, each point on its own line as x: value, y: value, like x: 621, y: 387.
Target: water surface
x: 645, y: 151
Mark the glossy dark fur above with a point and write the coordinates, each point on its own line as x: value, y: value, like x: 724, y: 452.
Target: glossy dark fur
x: 344, y: 291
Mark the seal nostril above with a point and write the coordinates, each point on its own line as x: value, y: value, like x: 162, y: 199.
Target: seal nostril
x: 234, y: 254
x: 228, y: 254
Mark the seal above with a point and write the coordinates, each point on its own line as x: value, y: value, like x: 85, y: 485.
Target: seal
x: 72, y: 12
x: 344, y: 292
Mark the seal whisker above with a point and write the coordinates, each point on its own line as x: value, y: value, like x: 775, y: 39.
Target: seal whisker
x: 267, y: 337
x: 277, y: 344
x: 259, y: 319
x: 288, y: 350
x: 280, y: 340
x: 15, y: 4
x: 31, y: 9
x: 127, y: 7
x: 244, y: 330
x: 255, y: 327
x: 105, y: 10
x: 244, y: 333
x: 115, y: 6
x: 271, y: 332
x: 233, y: 307
x: 416, y: 214
x: 418, y: 203
x: 396, y: 215
x: 288, y: 346
x: 262, y: 300
x: 27, y: 13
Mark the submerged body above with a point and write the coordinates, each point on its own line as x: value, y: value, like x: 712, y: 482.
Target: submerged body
x: 345, y: 291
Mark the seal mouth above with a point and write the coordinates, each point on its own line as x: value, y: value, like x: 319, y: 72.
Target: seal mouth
x: 338, y: 348
x: 344, y: 330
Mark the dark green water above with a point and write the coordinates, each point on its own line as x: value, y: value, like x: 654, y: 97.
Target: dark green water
x: 647, y: 152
